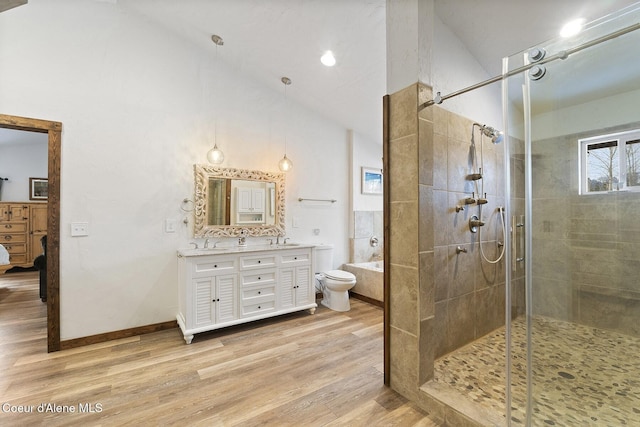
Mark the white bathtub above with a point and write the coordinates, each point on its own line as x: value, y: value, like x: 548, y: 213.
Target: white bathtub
x: 369, y: 279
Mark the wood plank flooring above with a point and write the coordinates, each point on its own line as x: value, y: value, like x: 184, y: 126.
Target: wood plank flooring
x: 296, y: 370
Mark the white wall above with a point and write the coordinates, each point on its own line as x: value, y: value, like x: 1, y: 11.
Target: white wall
x: 609, y: 112
x: 420, y: 47
x: 409, y: 29
x: 455, y: 68
x: 367, y: 153
x: 23, y: 158
x: 137, y: 106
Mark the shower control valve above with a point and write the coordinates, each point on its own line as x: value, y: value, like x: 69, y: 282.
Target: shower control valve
x: 474, y: 223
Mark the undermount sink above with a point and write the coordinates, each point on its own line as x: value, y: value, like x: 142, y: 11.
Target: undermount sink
x: 237, y: 249
x: 213, y: 250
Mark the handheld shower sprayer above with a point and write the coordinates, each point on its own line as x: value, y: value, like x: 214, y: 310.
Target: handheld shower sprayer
x: 476, y: 176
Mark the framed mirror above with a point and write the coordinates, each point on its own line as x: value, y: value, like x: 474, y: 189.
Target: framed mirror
x: 228, y: 201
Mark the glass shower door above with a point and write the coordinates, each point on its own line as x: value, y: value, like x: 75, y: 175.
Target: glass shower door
x: 573, y: 122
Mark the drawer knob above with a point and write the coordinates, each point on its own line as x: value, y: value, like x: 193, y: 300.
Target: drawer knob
x: 7, y: 237
x: 259, y: 292
x: 259, y: 261
x: 295, y: 257
x: 258, y: 307
x: 215, y: 265
x: 258, y: 277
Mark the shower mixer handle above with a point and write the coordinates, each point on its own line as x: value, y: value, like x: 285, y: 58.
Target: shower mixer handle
x: 474, y: 223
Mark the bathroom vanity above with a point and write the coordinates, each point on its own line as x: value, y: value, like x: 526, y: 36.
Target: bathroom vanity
x: 221, y: 287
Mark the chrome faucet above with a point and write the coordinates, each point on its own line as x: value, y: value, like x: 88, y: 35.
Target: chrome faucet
x: 284, y: 242
x: 206, y: 243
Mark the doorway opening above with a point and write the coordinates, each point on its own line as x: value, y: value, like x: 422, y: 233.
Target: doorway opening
x: 54, y: 132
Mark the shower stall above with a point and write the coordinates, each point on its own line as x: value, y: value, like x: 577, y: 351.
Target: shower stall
x: 566, y: 348
x: 573, y: 157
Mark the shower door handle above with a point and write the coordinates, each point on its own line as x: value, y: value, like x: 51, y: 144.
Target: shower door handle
x: 517, y: 241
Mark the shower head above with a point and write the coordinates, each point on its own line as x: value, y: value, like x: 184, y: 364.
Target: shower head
x: 495, y: 135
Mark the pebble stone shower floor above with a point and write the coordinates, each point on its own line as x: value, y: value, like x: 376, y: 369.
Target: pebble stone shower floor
x: 583, y: 376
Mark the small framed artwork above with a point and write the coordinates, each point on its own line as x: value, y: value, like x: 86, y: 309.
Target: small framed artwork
x: 38, y: 188
x: 371, y: 181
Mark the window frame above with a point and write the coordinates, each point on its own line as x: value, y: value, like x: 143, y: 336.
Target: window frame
x: 621, y: 139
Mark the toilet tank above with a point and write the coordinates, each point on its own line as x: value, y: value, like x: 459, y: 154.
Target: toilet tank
x: 323, y: 258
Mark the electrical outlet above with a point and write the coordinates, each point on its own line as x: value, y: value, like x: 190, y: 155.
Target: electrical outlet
x: 79, y: 229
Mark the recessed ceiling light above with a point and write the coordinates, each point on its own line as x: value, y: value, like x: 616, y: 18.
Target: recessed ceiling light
x: 328, y: 59
x: 572, y: 28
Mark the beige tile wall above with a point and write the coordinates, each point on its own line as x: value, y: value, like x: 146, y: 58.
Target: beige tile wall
x: 367, y: 224
x: 403, y: 245
x: 586, y: 248
x: 469, y: 292
x: 439, y: 300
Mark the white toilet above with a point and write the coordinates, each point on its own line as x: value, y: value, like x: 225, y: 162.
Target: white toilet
x: 334, y: 284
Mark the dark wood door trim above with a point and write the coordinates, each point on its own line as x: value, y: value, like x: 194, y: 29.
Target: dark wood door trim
x: 54, y: 131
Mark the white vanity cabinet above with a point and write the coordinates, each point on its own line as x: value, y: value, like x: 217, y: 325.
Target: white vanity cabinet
x: 220, y: 288
x: 258, y: 283
x: 208, y: 292
x: 296, y: 284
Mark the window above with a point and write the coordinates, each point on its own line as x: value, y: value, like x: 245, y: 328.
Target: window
x: 610, y: 163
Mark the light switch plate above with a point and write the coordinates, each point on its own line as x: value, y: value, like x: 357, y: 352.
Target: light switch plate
x: 79, y: 229
x: 170, y: 225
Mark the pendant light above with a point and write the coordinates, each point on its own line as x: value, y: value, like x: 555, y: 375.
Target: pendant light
x: 285, y: 164
x: 215, y: 155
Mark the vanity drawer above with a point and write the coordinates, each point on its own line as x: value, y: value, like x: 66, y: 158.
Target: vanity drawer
x: 13, y: 238
x: 258, y: 278
x: 13, y: 227
x: 290, y: 258
x: 258, y: 294
x: 254, y: 308
x: 208, y: 265
x: 257, y: 261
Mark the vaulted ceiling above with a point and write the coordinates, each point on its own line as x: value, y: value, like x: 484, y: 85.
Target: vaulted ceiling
x: 268, y: 39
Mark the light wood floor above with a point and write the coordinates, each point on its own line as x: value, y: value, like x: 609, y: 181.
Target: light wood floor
x: 297, y: 370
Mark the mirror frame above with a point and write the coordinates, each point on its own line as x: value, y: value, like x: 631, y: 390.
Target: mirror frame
x: 202, y: 175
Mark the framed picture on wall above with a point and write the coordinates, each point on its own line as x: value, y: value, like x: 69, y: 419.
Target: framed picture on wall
x: 371, y: 181
x: 38, y: 188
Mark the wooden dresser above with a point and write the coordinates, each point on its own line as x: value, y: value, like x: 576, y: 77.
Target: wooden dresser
x: 21, y: 227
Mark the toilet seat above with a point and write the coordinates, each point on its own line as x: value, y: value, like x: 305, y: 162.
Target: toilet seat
x: 339, y: 275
